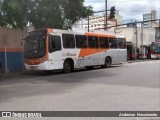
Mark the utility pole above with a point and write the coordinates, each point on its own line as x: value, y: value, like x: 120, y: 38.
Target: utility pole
x: 142, y: 40
x: 136, y: 35
x: 88, y: 23
x: 106, y: 13
x: 159, y: 30
x: 136, y: 40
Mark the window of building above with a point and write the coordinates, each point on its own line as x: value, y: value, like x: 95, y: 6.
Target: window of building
x: 121, y: 43
x: 54, y: 43
x: 113, y: 43
x: 103, y: 42
x: 81, y: 41
x: 92, y: 41
x: 68, y: 41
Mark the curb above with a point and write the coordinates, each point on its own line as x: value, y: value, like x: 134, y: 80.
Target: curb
x: 134, y: 61
x: 13, y: 74
x: 9, y: 74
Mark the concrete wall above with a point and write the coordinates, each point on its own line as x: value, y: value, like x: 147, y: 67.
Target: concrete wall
x: 130, y: 33
x: 11, y: 50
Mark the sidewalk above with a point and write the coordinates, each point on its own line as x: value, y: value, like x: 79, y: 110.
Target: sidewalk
x: 14, y: 73
x: 144, y: 60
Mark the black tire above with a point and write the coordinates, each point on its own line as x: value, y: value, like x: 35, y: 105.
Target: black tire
x: 67, y: 67
x: 108, y: 63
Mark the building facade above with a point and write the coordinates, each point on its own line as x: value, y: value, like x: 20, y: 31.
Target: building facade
x: 157, y: 34
x: 98, y: 22
x: 150, y: 16
x: 136, y: 37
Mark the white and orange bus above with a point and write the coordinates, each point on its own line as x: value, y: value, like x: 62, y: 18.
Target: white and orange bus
x: 53, y: 49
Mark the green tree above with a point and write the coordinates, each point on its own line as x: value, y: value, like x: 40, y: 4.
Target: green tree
x: 13, y: 13
x: 42, y: 13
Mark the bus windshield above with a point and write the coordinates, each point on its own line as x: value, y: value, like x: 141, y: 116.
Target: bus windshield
x: 35, y: 44
x: 155, y: 47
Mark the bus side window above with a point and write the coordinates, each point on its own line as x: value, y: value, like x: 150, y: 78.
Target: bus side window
x: 68, y: 41
x: 103, y: 41
x: 81, y: 41
x: 113, y: 43
x: 121, y: 43
x: 54, y: 43
x: 92, y: 41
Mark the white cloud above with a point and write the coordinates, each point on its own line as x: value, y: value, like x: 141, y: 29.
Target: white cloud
x: 129, y: 9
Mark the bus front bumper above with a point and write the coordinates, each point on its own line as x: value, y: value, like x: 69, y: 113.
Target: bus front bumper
x: 42, y: 66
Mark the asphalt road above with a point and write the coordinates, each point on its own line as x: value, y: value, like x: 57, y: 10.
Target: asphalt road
x: 126, y: 87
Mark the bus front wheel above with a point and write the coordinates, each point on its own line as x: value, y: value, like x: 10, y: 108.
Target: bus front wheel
x: 67, y: 67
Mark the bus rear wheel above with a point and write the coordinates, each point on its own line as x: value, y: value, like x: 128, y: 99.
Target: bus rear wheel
x: 108, y: 63
x: 67, y: 67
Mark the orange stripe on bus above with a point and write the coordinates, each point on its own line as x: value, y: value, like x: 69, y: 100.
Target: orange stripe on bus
x: 11, y: 50
x: 100, y: 35
x: 47, y: 43
x: 89, y: 51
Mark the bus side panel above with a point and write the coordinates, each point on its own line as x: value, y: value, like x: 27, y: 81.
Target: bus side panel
x: 122, y: 55
x: 90, y: 56
x: 80, y: 61
x: 92, y: 59
x: 114, y: 56
x: 102, y: 56
x: 55, y: 60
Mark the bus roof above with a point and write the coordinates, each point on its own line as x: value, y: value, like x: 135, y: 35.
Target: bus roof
x: 98, y: 33
x: 84, y: 32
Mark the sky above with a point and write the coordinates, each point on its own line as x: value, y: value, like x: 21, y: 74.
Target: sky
x: 129, y: 9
